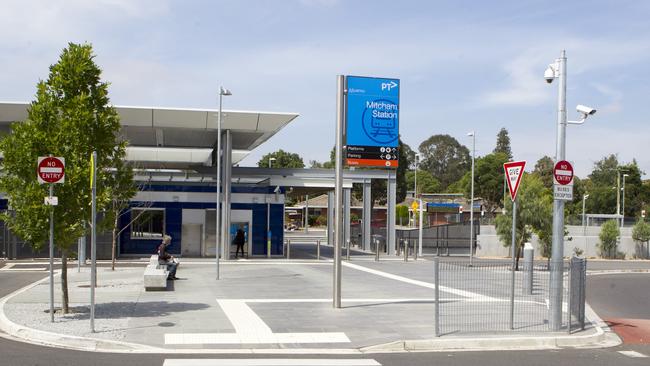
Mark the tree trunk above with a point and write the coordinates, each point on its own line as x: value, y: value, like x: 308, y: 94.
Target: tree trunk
x: 114, y: 242
x: 64, y: 281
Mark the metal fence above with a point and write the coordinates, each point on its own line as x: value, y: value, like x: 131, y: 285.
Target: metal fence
x: 450, y: 239
x: 480, y: 298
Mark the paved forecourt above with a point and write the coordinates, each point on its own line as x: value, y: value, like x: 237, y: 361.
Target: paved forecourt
x: 258, y: 305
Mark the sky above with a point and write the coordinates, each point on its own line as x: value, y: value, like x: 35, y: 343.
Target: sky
x: 463, y: 65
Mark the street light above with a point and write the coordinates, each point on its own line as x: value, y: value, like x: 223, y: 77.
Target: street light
x: 471, y: 203
x: 623, y: 201
x: 271, y: 160
x: 584, y: 199
x: 557, y: 70
x: 222, y: 92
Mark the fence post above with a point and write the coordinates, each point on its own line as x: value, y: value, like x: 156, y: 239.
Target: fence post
x: 436, y: 281
x: 583, y: 292
x: 572, y: 290
x: 317, y: 249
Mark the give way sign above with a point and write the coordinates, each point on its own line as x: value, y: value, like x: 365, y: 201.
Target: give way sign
x: 514, y: 171
x: 51, y: 169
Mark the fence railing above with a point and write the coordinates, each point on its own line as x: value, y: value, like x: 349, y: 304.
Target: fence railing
x: 479, y: 298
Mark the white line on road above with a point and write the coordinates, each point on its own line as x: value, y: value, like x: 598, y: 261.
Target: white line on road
x: 633, y: 354
x: 270, y: 362
x: 251, y: 329
x: 417, y: 282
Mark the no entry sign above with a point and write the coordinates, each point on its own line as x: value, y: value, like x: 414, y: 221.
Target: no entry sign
x: 563, y: 172
x: 51, y: 169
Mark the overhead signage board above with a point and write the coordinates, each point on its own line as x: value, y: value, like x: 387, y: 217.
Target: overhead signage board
x: 51, y: 169
x: 372, y: 122
x: 514, y: 171
x: 563, y: 181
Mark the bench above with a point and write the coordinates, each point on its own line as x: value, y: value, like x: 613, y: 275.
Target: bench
x: 155, y: 275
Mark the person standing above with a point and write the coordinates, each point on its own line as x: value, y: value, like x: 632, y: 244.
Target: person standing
x: 239, y: 241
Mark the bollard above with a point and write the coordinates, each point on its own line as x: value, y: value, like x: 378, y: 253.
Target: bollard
x: 405, y: 244
x: 376, y: 250
x: 415, y: 251
x: 317, y: 249
x: 288, y: 249
x: 529, y: 254
x: 347, y: 255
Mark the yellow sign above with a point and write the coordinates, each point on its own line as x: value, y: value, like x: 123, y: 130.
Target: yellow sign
x: 414, y: 206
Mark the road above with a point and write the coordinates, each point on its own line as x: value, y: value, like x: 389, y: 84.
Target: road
x: 622, y: 297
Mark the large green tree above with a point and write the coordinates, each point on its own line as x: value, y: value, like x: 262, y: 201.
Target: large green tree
x: 70, y: 117
x: 283, y: 159
x: 445, y: 158
x: 534, y: 215
x: 488, y: 180
x: 426, y: 182
x: 503, y: 143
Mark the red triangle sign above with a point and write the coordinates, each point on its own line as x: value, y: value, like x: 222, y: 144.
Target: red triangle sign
x: 514, y: 171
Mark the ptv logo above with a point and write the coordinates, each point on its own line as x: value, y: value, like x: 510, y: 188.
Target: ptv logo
x: 388, y: 86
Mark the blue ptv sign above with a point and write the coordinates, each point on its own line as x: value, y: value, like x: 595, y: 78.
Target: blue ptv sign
x: 372, y: 121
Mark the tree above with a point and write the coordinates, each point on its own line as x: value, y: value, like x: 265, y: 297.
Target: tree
x: 534, y: 214
x: 283, y: 159
x: 70, y: 117
x: 401, y: 214
x: 503, y: 143
x: 608, y: 236
x: 402, y: 168
x: 641, y: 233
x: 544, y: 170
x: 488, y: 180
x: 445, y: 158
x: 426, y: 182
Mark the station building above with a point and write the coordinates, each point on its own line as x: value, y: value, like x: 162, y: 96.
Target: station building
x: 174, y: 154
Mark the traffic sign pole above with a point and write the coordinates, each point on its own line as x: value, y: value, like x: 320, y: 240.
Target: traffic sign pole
x: 338, y: 191
x: 512, y: 275
x: 93, y: 245
x: 51, y: 256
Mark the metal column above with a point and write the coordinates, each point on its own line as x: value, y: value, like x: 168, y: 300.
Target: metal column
x: 390, y: 214
x: 226, y: 184
x: 330, y: 218
x: 338, y: 229
x: 367, y: 214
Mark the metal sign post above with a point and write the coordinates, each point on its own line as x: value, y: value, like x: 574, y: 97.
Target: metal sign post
x: 93, y: 241
x: 51, y: 170
x: 338, y: 191
x: 513, y: 172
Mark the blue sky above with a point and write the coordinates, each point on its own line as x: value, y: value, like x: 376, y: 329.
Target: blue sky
x: 463, y: 65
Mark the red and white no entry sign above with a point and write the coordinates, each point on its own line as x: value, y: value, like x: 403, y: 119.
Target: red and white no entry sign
x: 51, y: 169
x: 563, y: 172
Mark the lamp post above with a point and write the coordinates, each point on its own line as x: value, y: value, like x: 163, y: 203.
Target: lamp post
x: 584, y: 199
x: 222, y: 92
x: 415, y: 176
x: 271, y: 160
x: 557, y: 70
x: 471, y: 202
x: 623, y: 201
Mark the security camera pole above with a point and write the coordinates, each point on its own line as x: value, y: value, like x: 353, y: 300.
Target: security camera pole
x: 557, y: 253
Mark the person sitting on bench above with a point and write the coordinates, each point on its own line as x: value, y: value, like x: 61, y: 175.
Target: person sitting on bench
x: 164, y: 258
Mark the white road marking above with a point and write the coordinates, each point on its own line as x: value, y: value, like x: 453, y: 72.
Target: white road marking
x: 269, y: 362
x: 5, y: 269
x: 251, y: 329
x: 417, y: 282
x: 633, y: 354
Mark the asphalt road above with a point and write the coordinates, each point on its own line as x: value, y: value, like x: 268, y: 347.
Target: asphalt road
x: 612, y: 295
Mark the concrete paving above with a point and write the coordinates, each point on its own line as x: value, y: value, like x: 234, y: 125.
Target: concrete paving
x: 283, y: 305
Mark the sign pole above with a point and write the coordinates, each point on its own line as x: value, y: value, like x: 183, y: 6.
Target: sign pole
x: 514, y: 251
x: 338, y: 191
x: 51, y: 255
x: 93, y: 244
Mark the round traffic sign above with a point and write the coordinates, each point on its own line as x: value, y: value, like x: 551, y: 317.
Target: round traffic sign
x: 563, y: 172
x: 51, y: 169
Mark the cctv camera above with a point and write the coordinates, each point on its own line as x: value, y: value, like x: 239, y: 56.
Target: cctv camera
x: 549, y: 74
x: 587, y: 111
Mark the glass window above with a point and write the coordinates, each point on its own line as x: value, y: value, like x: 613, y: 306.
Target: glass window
x: 147, y: 223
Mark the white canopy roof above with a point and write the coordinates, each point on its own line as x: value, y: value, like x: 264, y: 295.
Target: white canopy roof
x: 179, y: 137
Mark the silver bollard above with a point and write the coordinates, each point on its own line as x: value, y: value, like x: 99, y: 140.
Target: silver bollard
x: 529, y: 254
x: 347, y: 255
x: 376, y: 250
x: 415, y: 251
x: 288, y: 249
x: 405, y: 244
x: 317, y: 249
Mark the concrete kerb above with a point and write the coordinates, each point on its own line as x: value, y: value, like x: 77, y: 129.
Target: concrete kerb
x: 602, y: 337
